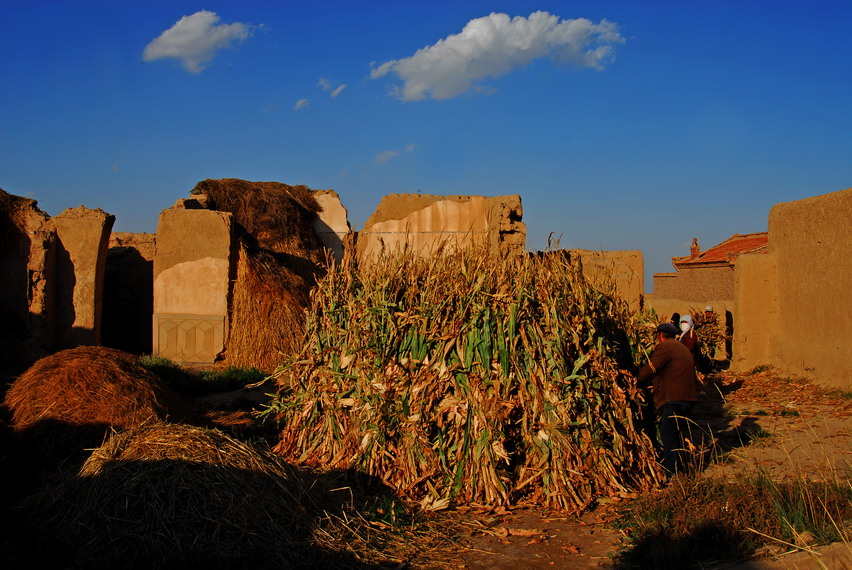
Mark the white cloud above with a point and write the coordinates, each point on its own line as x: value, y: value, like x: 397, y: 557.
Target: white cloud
x: 410, y: 148
x: 385, y: 156
x: 301, y: 104
x: 337, y: 90
x: 195, y: 39
x: 495, y: 45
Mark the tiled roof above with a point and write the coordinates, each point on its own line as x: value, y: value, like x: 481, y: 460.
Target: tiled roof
x: 728, y: 250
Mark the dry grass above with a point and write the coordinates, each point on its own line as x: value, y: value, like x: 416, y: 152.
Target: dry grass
x: 91, y: 385
x: 467, y: 378
x: 166, y: 495
x: 700, y: 521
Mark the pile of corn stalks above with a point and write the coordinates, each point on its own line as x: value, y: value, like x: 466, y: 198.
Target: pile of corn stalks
x: 468, y: 379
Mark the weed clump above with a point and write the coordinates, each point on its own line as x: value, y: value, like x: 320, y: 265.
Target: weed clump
x: 697, y: 521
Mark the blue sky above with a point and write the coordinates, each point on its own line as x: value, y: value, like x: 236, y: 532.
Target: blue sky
x: 622, y: 124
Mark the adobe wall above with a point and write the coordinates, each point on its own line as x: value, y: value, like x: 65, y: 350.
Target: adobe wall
x: 332, y: 223
x: 425, y: 223
x: 193, y: 271
x: 129, y: 292
x: 809, y: 240
x: 27, y: 275
x: 83, y: 236
x: 696, y: 284
x: 623, y: 269
x: 756, y: 303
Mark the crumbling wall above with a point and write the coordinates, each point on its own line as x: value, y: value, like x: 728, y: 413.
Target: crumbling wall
x: 623, y: 270
x: 129, y: 292
x: 193, y: 269
x: 332, y: 223
x: 805, y: 313
x: 27, y: 255
x: 81, y: 261
x: 426, y: 223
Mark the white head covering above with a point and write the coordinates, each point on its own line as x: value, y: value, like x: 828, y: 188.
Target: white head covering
x: 709, y: 308
x: 687, y: 319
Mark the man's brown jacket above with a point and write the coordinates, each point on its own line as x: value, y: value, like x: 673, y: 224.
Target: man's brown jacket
x: 673, y: 371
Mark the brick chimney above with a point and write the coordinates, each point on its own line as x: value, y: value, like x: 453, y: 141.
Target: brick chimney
x: 694, y: 249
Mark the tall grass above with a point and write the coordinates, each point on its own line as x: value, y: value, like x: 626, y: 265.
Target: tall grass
x: 466, y: 378
x: 700, y: 520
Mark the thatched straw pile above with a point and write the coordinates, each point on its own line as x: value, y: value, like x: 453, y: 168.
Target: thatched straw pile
x: 167, y: 495
x: 280, y: 259
x: 91, y: 385
x: 469, y: 379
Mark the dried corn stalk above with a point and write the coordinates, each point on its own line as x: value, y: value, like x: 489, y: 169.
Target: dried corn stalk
x: 466, y: 378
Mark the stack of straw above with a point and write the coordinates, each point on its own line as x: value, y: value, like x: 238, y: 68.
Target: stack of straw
x: 279, y: 260
x: 469, y: 379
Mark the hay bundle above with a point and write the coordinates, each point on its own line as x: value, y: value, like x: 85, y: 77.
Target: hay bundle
x: 167, y: 495
x: 469, y: 379
x: 280, y: 259
x: 91, y: 385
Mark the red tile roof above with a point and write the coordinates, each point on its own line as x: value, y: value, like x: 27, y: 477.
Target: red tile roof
x: 727, y: 251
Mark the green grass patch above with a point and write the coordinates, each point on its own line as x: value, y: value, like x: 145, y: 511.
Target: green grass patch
x: 196, y: 382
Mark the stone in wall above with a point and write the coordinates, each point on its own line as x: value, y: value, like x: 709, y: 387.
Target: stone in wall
x: 193, y: 271
x: 427, y: 223
x: 623, y: 270
x: 81, y: 262
x: 332, y: 223
x: 129, y: 292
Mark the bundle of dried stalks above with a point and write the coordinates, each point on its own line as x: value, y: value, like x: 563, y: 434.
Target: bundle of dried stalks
x: 470, y: 379
x: 281, y: 257
x: 91, y: 385
x: 268, y: 311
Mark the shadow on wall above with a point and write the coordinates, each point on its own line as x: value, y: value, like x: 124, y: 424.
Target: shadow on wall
x: 65, y: 313
x: 128, y: 301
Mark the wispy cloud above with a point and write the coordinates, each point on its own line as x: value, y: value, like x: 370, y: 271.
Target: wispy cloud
x: 195, y: 40
x: 301, y: 104
x: 387, y: 155
x: 333, y: 86
x: 495, y: 45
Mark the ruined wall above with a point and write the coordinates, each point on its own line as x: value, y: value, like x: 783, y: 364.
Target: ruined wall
x: 129, y: 292
x: 812, y: 271
x: 80, y: 262
x: 332, y: 224
x: 425, y: 223
x: 27, y: 275
x: 696, y: 284
x: 623, y: 269
x: 193, y: 269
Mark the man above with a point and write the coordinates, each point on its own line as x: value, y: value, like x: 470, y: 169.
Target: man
x: 675, y: 391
